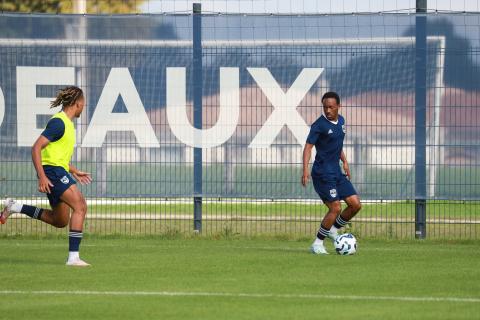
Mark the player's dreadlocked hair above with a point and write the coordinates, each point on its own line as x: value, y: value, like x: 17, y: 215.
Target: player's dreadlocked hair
x: 67, y: 96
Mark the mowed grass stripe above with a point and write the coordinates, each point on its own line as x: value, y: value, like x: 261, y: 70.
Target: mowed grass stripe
x: 242, y: 295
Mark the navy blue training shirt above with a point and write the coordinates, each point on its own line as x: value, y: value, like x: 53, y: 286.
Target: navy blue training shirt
x: 327, y: 137
x: 54, y: 130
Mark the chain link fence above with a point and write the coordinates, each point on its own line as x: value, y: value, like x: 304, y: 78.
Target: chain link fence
x: 253, y: 85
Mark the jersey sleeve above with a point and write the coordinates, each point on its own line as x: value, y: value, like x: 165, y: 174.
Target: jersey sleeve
x: 314, y: 134
x: 54, y: 130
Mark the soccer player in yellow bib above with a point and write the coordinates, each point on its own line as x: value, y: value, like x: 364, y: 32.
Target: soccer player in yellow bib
x: 51, y: 155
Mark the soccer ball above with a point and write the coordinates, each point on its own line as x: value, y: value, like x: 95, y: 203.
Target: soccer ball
x: 345, y: 244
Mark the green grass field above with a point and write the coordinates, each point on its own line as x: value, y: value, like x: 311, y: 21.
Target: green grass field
x: 151, y: 278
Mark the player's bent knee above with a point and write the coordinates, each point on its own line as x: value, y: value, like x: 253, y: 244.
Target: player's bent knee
x: 82, y: 207
x: 355, y: 206
x: 80, y: 210
x: 359, y: 206
x: 83, y: 211
x: 336, y: 208
x: 60, y: 223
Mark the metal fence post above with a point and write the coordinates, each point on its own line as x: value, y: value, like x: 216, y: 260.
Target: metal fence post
x: 197, y: 114
x: 420, y: 119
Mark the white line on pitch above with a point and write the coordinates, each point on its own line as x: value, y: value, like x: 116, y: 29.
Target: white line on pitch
x: 242, y: 295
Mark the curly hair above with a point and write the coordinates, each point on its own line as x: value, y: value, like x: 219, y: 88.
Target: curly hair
x: 67, y: 96
x: 333, y: 95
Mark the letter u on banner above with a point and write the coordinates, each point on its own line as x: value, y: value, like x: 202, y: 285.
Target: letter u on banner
x: 229, y: 109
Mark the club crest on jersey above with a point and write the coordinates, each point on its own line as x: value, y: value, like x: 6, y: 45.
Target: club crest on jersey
x: 344, y: 129
x: 64, y: 180
x: 333, y: 193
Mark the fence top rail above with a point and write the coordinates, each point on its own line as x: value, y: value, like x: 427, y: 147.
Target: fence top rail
x: 206, y: 43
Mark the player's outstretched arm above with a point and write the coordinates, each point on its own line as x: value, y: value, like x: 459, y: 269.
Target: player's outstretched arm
x: 80, y: 176
x: 307, y: 153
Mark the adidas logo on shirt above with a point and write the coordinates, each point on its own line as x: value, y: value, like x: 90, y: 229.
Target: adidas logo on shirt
x: 330, y: 131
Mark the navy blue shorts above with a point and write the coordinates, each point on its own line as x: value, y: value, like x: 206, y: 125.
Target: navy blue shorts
x: 61, y: 180
x: 333, y: 188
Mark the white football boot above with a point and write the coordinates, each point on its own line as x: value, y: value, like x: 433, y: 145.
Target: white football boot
x: 7, y: 210
x: 318, y: 249
x: 77, y: 263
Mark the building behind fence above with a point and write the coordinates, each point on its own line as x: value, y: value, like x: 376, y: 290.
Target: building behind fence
x: 253, y: 85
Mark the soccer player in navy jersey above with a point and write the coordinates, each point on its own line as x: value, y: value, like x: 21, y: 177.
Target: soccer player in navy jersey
x: 327, y: 134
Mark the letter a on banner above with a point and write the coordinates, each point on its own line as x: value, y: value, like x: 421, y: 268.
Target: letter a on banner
x: 120, y: 82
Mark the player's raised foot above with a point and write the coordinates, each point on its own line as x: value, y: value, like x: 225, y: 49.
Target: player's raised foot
x: 318, y: 249
x: 6, y: 211
x: 77, y: 263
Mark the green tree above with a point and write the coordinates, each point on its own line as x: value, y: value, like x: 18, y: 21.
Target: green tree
x: 67, y: 6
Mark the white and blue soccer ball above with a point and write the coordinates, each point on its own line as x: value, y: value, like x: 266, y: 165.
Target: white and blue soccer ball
x: 345, y: 244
